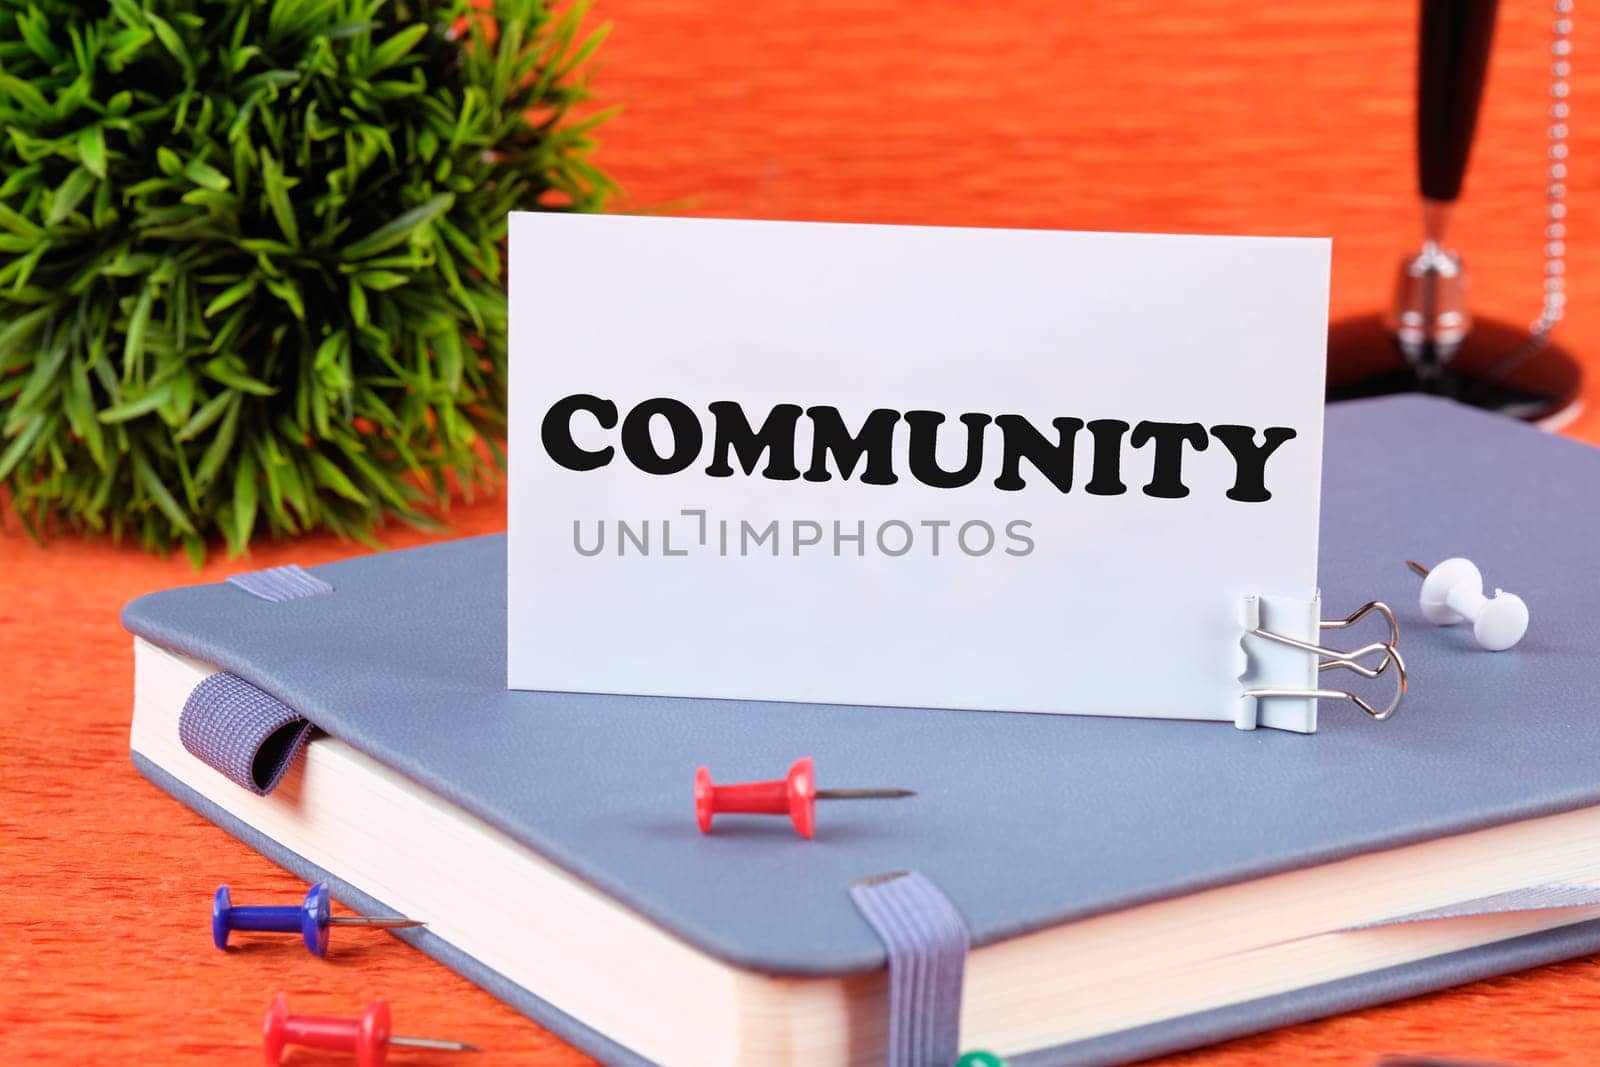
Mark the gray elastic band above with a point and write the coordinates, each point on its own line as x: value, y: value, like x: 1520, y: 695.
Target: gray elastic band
x: 927, y: 941
x: 288, y: 582
x: 249, y: 736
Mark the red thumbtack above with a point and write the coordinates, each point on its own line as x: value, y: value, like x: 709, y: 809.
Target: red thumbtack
x: 794, y: 795
x: 368, y: 1037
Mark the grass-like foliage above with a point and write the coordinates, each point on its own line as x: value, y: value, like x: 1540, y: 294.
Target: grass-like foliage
x: 251, y: 254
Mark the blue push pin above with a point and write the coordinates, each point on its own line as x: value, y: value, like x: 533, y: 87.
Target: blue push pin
x: 310, y: 920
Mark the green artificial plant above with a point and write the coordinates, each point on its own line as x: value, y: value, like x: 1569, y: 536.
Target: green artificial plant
x: 251, y: 254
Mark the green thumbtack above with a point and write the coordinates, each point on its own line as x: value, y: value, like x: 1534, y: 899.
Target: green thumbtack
x: 980, y: 1059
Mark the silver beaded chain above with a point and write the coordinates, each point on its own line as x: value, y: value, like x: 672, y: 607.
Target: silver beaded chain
x: 1555, y: 227
x: 1555, y: 193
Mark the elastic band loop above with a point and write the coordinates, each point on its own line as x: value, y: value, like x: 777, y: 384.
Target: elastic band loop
x: 927, y: 941
x: 248, y: 736
x: 288, y: 582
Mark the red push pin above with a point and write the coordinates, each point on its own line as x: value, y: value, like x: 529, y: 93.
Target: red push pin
x: 368, y: 1037
x: 795, y: 796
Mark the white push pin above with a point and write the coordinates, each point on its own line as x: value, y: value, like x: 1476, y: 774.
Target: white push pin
x: 1453, y: 592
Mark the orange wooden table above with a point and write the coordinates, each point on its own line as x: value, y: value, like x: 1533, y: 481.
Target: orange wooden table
x: 1191, y: 115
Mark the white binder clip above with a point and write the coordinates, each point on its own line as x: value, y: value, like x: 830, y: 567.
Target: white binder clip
x: 1281, y: 643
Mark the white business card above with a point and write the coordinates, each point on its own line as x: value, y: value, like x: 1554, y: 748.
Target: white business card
x: 962, y: 468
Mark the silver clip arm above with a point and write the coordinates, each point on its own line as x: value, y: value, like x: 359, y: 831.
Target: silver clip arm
x: 1332, y: 658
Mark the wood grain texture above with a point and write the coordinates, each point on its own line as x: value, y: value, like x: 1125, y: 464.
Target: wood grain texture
x: 1195, y: 116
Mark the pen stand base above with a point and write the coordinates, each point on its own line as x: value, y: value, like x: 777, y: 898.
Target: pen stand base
x: 1544, y: 387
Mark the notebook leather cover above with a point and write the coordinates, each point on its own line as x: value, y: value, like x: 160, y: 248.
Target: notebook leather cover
x: 1025, y: 821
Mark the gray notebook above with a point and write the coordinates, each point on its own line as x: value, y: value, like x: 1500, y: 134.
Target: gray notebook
x: 1027, y: 823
